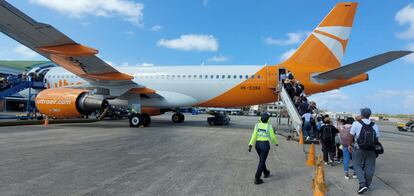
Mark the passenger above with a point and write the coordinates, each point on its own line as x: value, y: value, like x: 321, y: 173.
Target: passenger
x: 346, y: 141
x: 282, y: 76
x: 289, y: 75
x: 303, y: 106
x: 338, y: 150
x: 366, y: 134
x: 307, y: 126
x: 327, y: 139
x: 289, y: 88
x: 263, y: 132
x: 299, y: 89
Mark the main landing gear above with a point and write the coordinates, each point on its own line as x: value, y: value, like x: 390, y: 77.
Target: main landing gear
x: 177, y: 118
x: 136, y: 120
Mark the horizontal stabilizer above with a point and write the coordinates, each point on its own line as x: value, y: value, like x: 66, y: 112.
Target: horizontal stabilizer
x: 360, y: 67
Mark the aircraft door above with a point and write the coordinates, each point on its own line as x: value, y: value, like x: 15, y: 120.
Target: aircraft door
x: 271, y: 76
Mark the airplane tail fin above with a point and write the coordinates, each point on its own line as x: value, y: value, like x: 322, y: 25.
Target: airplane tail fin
x: 326, y: 45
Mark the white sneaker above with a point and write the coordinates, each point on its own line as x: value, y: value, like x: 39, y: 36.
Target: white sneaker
x: 326, y: 163
x: 307, y: 138
x: 347, y: 176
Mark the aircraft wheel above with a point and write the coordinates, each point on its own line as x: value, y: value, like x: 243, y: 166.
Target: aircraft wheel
x: 135, y: 120
x: 177, y: 118
x: 146, y: 120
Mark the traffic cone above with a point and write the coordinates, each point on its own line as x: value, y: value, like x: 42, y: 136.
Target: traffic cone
x: 319, y: 181
x: 311, y: 156
x: 301, y: 137
x: 46, y: 121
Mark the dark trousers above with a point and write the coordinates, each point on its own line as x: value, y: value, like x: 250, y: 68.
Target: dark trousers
x: 364, y: 165
x: 328, y: 149
x: 262, y: 148
x: 339, y: 153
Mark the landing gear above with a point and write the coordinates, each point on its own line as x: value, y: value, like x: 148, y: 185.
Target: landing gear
x: 136, y: 120
x: 219, y: 119
x: 177, y: 118
x: 146, y: 120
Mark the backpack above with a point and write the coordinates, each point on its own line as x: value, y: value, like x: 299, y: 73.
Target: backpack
x: 327, y: 133
x: 367, y: 137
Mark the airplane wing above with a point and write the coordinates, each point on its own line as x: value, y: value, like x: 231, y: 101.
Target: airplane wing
x: 360, y: 67
x: 56, y: 46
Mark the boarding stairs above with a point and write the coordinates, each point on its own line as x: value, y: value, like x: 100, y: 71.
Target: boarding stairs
x: 19, y: 86
x: 290, y: 107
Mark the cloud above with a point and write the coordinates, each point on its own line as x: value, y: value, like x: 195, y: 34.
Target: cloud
x: 191, y: 42
x: 144, y: 64
x: 129, y: 32
x: 24, y: 52
x: 404, y: 97
x: 409, y: 58
x: 205, y: 3
x: 156, y: 28
x: 287, y: 54
x: 129, y: 10
x: 334, y: 100
x: 406, y: 16
x: 218, y: 59
x: 292, y: 38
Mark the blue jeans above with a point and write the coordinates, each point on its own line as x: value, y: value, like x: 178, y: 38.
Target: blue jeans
x: 307, y: 128
x: 347, y: 156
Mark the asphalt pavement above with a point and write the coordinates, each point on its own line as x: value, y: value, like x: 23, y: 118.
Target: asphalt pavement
x: 192, y: 158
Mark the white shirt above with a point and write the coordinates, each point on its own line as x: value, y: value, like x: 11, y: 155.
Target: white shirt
x: 307, y: 116
x: 356, y: 128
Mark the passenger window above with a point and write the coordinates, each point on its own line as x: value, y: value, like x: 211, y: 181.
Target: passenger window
x: 178, y: 76
x: 183, y: 76
x: 246, y: 76
x: 228, y: 76
x: 200, y: 76
x: 234, y: 77
x: 217, y: 76
x: 212, y: 76
x: 223, y: 76
x: 206, y: 76
x: 252, y: 76
x: 195, y: 76
x: 241, y: 77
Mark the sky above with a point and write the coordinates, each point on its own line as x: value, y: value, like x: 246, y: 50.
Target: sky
x: 245, y: 32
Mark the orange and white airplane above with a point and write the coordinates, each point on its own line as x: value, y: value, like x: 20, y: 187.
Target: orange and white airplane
x: 84, y: 83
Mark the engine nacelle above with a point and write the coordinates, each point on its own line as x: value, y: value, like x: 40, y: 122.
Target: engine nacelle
x: 66, y: 102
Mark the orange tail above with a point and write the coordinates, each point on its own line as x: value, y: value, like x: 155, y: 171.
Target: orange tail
x: 326, y: 45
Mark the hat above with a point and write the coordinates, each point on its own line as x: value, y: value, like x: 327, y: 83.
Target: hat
x: 287, y: 81
x: 264, y: 118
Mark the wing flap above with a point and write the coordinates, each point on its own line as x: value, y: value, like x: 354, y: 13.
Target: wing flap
x: 360, y: 67
x: 56, y: 46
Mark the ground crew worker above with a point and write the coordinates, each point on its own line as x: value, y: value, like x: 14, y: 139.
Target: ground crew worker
x: 263, y: 132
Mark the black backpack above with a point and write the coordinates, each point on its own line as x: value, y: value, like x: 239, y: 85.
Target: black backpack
x: 367, y: 137
x: 327, y: 133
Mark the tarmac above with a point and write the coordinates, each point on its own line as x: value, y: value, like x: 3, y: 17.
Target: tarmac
x: 192, y: 158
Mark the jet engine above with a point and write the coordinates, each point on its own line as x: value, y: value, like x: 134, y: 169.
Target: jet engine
x: 67, y: 102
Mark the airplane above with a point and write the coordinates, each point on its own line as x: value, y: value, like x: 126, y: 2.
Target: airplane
x: 84, y: 83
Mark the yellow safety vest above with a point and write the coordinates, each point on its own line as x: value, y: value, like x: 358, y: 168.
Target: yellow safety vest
x: 263, y: 132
